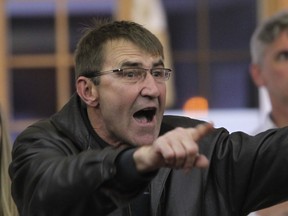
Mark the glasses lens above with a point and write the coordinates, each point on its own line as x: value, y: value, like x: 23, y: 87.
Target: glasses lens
x: 167, y: 74
x: 161, y: 74
x: 132, y: 74
x: 136, y: 74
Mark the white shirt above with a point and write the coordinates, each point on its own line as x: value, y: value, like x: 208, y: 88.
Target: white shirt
x: 266, y: 124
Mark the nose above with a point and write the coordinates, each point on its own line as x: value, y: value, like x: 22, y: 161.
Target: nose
x: 149, y: 86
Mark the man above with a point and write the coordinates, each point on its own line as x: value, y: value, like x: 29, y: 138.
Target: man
x: 269, y: 52
x: 110, y: 151
x: 269, y: 69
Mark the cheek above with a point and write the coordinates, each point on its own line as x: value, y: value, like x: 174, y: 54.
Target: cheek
x: 163, y: 93
x: 118, y: 98
x: 274, y: 72
x: 277, y: 79
x: 279, y: 74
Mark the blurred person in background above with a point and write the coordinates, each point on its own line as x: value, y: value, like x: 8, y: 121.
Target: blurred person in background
x: 269, y: 69
x: 7, y: 205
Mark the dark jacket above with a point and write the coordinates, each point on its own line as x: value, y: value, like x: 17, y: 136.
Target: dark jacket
x: 61, y: 167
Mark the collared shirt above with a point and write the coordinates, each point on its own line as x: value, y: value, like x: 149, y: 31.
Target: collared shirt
x: 266, y: 124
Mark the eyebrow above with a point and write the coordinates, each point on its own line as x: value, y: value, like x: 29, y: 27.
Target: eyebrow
x: 139, y: 64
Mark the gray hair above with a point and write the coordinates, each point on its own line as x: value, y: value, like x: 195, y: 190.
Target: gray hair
x: 266, y: 33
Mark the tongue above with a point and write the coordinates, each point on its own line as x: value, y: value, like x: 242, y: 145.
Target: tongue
x: 141, y: 119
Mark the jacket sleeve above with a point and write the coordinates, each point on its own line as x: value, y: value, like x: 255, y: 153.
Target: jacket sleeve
x: 50, y: 176
x: 246, y: 173
x: 251, y: 171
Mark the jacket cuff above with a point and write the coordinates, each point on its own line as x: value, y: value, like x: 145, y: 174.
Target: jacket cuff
x: 127, y: 173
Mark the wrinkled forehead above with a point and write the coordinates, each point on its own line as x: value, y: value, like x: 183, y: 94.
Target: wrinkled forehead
x: 122, y: 51
x: 151, y: 47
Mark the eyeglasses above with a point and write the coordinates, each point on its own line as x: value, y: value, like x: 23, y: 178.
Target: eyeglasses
x: 134, y: 74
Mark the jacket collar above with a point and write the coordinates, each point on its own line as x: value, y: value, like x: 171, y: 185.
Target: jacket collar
x: 71, y: 121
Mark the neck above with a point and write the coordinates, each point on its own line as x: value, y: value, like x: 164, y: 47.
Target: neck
x: 98, y: 125
x: 279, y: 115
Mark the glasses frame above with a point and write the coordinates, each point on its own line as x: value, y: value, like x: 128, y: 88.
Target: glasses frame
x: 94, y: 74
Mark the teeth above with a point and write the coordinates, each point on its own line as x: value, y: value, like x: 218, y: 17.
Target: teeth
x: 145, y: 115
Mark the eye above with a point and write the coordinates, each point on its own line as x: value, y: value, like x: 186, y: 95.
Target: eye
x: 282, y: 56
x: 157, y: 72
x: 131, y: 73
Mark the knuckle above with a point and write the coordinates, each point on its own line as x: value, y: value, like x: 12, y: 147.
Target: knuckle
x: 170, y: 156
x: 192, y: 149
x: 181, y: 156
x: 179, y: 130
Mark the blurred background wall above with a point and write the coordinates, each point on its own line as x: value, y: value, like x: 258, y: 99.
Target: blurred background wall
x: 207, y: 45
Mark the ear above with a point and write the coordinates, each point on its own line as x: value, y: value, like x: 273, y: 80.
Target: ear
x: 257, y: 75
x: 87, y: 91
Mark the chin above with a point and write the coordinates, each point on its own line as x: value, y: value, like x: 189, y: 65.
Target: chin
x: 142, y: 137
x: 145, y: 141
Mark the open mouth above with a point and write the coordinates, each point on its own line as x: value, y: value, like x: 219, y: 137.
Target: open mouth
x: 145, y: 115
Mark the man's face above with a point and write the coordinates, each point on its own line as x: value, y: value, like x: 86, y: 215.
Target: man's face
x: 274, y: 70
x: 129, y: 113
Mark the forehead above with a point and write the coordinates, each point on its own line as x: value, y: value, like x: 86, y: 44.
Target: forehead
x: 121, y: 51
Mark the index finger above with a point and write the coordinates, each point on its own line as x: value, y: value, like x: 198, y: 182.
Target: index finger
x: 201, y: 130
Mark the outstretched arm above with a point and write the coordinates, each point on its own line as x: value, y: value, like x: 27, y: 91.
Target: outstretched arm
x: 177, y: 149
